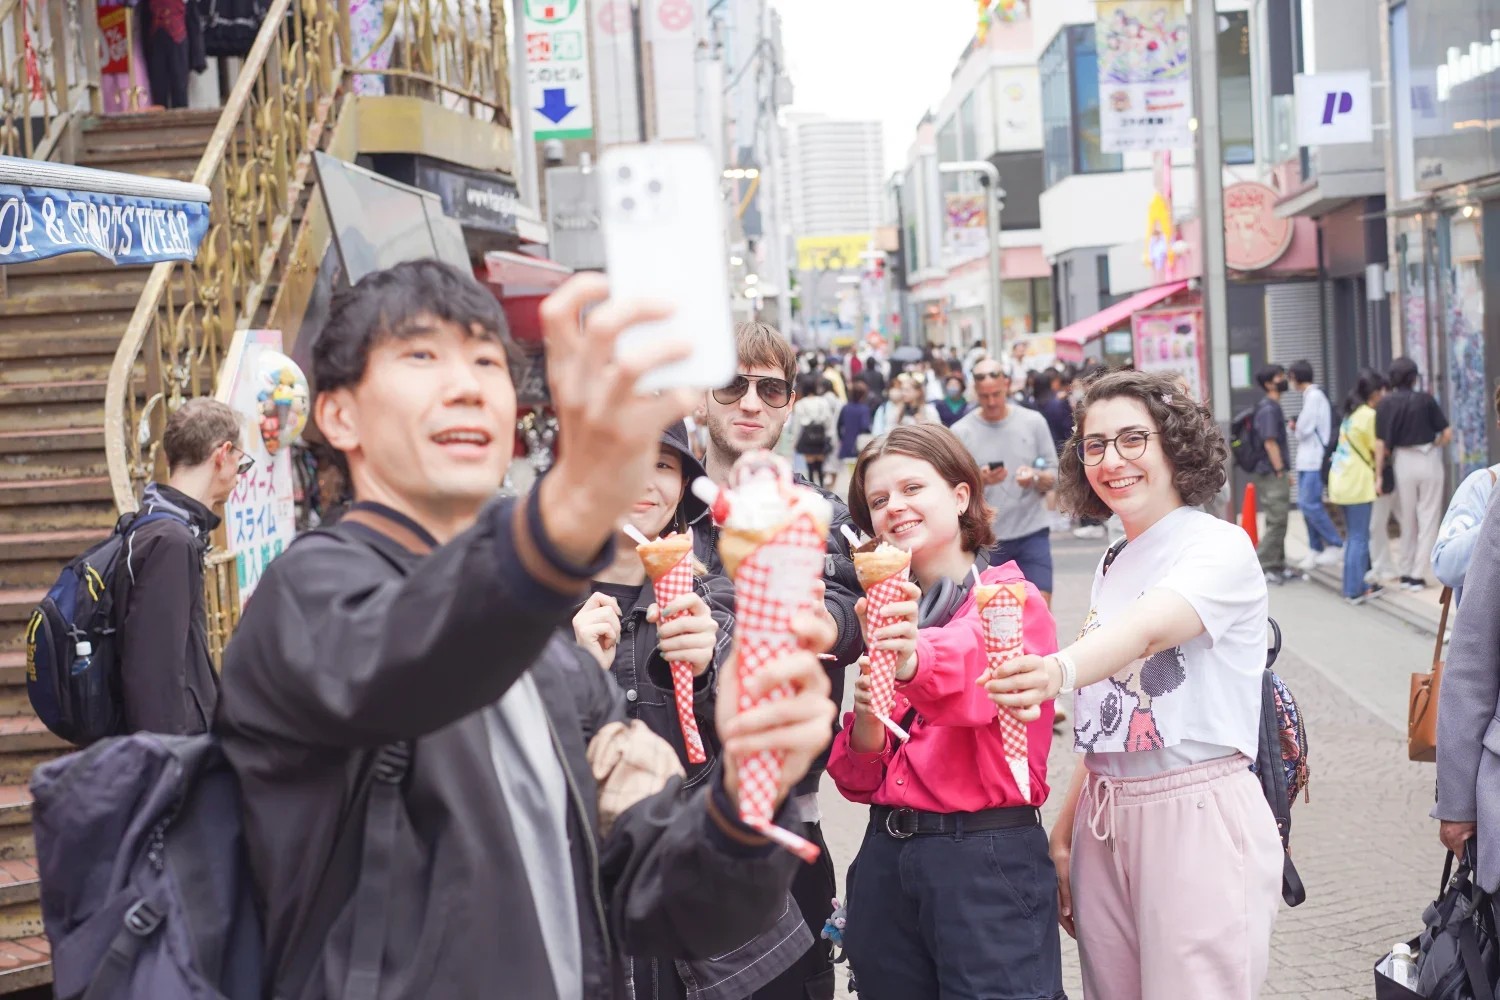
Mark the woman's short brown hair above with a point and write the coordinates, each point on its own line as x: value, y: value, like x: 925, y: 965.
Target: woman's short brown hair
x: 1190, y: 439
x: 939, y: 447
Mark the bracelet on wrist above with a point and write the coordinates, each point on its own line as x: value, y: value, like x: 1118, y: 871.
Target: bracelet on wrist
x: 1067, y: 672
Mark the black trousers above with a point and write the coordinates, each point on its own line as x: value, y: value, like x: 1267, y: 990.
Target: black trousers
x: 969, y: 916
x: 813, y: 888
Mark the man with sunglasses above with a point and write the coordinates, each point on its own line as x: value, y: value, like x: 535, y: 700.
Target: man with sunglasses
x: 168, y: 683
x: 1018, y: 465
x: 747, y: 414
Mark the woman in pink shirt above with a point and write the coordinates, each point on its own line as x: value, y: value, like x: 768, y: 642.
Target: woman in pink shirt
x: 953, y: 893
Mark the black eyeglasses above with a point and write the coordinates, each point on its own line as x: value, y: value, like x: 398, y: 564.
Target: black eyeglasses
x: 1129, y: 445
x: 246, y: 462
x: 774, y: 392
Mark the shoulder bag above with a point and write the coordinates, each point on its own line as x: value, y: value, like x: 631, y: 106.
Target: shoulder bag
x: 1421, y: 710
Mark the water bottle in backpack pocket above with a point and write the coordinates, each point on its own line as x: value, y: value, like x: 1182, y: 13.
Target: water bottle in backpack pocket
x: 72, y: 672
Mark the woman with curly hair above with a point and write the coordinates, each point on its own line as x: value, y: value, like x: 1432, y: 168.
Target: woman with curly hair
x: 1168, y: 858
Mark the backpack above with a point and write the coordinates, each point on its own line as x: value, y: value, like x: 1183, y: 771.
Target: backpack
x: 812, y: 439
x: 1281, y: 754
x: 149, y: 892
x: 1243, y: 441
x: 72, y: 673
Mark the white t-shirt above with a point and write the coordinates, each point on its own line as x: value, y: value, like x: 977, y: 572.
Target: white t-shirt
x: 1196, y: 701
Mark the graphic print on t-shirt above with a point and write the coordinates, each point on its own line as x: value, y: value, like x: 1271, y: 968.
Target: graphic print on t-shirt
x: 1140, y: 686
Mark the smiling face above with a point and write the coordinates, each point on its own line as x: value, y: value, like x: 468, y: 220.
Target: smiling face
x: 1140, y: 489
x: 913, y: 507
x: 748, y: 423
x: 657, y: 507
x: 429, y: 427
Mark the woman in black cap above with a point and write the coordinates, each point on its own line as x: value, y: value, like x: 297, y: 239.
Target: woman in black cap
x: 621, y: 625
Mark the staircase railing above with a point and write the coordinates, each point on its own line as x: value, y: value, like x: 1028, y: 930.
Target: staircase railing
x: 49, y: 72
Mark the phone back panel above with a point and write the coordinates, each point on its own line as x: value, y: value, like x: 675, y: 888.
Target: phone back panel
x: 664, y: 239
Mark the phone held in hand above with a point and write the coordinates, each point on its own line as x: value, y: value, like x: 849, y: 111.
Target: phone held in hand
x: 663, y: 219
x: 995, y: 465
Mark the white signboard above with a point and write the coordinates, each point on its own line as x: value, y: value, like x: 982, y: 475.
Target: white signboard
x: 260, y: 515
x: 1145, y: 75
x: 1333, y: 108
x: 1018, y: 108
x: 618, y: 114
x: 557, y: 69
x: 670, y: 27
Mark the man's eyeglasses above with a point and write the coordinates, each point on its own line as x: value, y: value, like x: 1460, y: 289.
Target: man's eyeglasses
x: 1129, y: 445
x: 774, y: 392
x: 246, y: 462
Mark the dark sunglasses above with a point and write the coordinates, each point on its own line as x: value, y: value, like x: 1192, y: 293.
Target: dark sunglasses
x: 246, y: 462
x: 986, y: 376
x: 774, y: 392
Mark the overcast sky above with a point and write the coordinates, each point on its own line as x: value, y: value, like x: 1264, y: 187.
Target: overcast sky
x: 885, y: 59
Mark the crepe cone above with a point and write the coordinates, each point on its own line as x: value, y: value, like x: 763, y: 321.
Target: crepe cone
x: 1000, y: 607
x: 882, y: 569
x: 669, y: 563
x: 775, y: 575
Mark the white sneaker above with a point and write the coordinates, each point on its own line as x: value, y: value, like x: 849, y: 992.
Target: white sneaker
x: 1089, y: 531
x: 1308, y: 564
x: 1330, y: 557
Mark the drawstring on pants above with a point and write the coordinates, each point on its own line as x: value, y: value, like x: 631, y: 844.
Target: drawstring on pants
x: 1102, y: 807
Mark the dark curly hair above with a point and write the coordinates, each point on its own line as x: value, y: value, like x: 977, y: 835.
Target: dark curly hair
x: 940, y: 448
x: 1192, y: 442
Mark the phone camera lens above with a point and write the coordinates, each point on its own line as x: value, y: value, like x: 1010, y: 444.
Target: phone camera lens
x: 624, y: 173
x: 628, y: 204
x: 654, y: 187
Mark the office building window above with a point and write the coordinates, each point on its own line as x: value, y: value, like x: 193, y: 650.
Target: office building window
x: 1041, y: 304
x: 1057, y: 155
x: 1101, y: 277
x: 968, y: 147
x: 1088, y: 158
x: 947, y: 152
x: 1236, y: 120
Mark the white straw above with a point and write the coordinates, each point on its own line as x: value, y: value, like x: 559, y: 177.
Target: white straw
x: 894, y: 728
x: 974, y: 570
x: 849, y: 534
x: 635, y: 535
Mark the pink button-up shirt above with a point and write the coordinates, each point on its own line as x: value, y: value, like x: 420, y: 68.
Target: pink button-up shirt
x: 954, y: 761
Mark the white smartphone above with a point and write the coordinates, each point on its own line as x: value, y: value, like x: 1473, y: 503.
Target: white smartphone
x: 664, y: 239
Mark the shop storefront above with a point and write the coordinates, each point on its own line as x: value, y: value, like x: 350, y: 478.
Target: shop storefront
x: 1446, y: 69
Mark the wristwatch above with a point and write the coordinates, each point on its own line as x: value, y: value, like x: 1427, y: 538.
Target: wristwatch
x: 1067, y: 672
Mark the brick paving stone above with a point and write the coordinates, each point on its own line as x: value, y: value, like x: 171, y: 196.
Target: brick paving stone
x: 1363, y: 844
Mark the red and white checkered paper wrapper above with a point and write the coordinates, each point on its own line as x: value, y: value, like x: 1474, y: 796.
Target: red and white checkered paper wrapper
x: 883, y: 661
x: 774, y: 583
x: 1002, y: 642
x: 678, y: 582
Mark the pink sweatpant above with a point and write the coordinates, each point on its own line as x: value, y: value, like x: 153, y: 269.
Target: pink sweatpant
x: 1176, y: 882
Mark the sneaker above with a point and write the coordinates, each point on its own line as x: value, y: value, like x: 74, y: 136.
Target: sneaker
x: 1413, y: 584
x: 1289, y: 574
x: 1089, y: 531
x: 1275, y: 579
x: 1330, y: 557
x: 1310, y: 563
x: 1355, y: 602
x: 1375, y: 591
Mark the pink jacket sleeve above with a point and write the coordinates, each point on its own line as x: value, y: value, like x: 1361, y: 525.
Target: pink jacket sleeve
x: 950, y: 659
x: 857, y: 775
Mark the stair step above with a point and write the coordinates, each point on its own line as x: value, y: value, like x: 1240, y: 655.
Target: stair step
x: 31, y: 393
x: 13, y: 667
x: 52, y: 491
x: 71, y: 439
x: 38, y: 305
x: 26, y: 733
x: 16, y: 605
x: 19, y: 883
x: 166, y: 120
x: 59, y: 545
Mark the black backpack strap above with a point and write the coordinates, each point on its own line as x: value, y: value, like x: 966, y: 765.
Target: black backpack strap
x: 373, y: 844
x: 1111, y: 554
x: 141, y: 921
x: 1292, y: 889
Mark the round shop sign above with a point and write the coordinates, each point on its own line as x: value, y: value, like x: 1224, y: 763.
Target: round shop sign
x: 1253, y: 235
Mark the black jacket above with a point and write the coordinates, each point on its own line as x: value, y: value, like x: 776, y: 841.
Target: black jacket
x: 168, y: 683
x: 643, y: 674
x: 353, y: 641
x: 842, y: 589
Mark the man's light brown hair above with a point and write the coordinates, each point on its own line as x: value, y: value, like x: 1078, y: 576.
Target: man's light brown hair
x: 196, y: 429
x: 762, y: 346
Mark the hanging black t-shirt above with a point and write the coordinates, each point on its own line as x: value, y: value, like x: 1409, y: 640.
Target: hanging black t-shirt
x: 1408, y: 417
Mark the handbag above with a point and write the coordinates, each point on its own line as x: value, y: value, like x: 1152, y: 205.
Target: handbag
x: 1422, y: 708
x: 1457, y: 954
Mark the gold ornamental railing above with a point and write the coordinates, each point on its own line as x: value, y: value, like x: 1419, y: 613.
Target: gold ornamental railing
x: 292, y: 89
x: 49, y: 72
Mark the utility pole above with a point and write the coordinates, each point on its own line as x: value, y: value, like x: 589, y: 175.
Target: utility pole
x: 994, y: 203
x: 1210, y: 162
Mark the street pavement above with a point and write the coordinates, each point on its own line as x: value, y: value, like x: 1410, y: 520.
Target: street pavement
x: 1363, y: 844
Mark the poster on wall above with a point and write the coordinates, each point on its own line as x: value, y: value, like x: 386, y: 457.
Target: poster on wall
x: 271, y: 393
x: 965, y: 229
x: 1018, y: 108
x: 1145, y: 75
x: 1171, y: 340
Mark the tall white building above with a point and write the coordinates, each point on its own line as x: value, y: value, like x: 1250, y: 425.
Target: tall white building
x: 836, y: 171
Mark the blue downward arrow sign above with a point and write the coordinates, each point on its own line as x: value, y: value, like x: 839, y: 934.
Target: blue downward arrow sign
x: 555, y: 106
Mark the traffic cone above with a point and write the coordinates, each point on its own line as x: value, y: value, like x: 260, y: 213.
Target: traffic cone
x: 1248, y: 515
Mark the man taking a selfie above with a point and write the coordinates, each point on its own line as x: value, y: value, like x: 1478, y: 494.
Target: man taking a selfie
x: 748, y: 414
x: 441, y: 795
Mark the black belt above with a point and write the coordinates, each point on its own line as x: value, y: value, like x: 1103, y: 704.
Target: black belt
x: 904, y: 823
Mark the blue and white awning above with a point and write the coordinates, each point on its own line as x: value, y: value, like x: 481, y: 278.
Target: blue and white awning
x: 48, y: 209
